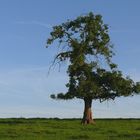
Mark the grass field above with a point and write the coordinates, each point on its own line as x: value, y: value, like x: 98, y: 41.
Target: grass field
x: 69, y: 129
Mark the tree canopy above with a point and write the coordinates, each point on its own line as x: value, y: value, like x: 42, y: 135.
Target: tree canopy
x: 85, y: 43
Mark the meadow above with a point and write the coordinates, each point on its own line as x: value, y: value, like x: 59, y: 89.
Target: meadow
x: 69, y: 129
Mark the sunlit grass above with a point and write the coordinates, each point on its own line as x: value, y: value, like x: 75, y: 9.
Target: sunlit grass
x: 69, y: 129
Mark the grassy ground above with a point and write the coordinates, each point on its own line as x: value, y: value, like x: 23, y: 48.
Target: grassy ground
x: 55, y: 129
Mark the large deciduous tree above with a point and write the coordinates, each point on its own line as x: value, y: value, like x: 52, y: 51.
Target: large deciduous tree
x: 85, y: 43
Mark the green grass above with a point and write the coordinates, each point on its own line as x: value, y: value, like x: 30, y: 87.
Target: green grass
x: 69, y: 129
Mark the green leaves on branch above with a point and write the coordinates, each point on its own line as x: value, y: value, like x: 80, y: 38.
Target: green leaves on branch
x: 85, y: 42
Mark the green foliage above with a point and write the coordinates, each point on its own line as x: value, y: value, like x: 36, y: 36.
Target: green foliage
x: 68, y: 129
x: 85, y: 43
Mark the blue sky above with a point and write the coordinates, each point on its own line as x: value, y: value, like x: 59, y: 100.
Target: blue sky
x: 25, y: 85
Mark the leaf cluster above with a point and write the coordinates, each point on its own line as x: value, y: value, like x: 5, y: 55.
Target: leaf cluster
x: 85, y: 42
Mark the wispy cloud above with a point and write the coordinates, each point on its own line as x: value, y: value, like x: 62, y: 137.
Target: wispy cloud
x: 42, y: 24
x: 34, y: 80
x: 25, y: 93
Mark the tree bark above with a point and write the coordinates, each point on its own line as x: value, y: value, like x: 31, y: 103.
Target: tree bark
x: 87, y: 115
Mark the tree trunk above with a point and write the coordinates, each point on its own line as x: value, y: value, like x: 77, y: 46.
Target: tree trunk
x: 87, y: 115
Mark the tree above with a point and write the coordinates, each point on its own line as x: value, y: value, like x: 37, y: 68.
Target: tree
x: 85, y: 43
